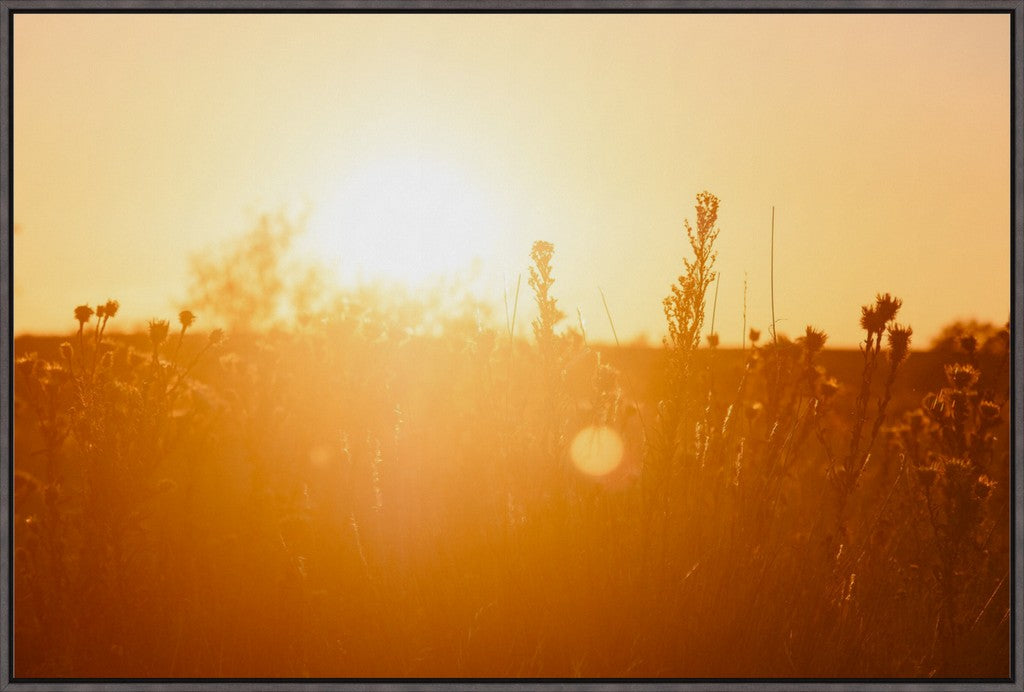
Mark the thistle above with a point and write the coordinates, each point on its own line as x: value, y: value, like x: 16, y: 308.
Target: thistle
x: 83, y: 313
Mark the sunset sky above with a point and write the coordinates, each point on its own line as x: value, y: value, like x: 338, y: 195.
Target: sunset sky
x: 420, y: 141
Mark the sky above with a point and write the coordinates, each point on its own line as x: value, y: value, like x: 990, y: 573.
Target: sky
x: 419, y: 143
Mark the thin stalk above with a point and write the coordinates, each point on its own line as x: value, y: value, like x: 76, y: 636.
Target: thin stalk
x: 743, y: 348
x: 775, y: 338
x: 714, y: 305
x: 636, y: 406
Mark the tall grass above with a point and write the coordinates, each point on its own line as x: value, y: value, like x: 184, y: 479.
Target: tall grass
x: 359, y: 495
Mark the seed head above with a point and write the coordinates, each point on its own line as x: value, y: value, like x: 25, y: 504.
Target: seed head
x: 713, y: 340
x: 110, y: 308
x: 899, y: 343
x: 83, y: 313
x: 186, y: 318
x: 23, y: 366
x: 814, y: 340
x: 962, y: 376
x: 158, y: 331
x: 869, y: 320
x: 886, y: 307
x: 989, y: 412
x: 754, y: 335
x: 957, y: 471
x: 216, y: 336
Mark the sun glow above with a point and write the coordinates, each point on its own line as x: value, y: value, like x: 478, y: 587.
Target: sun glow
x: 407, y: 219
x: 596, y: 450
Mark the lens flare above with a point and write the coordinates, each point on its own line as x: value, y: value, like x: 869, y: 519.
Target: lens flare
x: 596, y: 450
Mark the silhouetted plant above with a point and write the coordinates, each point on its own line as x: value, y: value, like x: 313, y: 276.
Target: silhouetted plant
x: 245, y: 285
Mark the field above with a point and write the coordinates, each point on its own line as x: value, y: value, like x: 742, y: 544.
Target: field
x: 376, y: 490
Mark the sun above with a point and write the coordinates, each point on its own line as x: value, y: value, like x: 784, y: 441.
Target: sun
x: 406, y: 219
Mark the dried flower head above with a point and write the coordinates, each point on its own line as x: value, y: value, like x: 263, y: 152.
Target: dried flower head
x: 110, y: 308
x: 958, y: 472
x: 969, y: 343
x: 216, y: 337
x: 869, y: 320
x: 886, y: 307
x: 962, y: 376
x: 899, y: 342
x: 754, y: 335
x: 541, y: 280
x: 186, y: 318
x: 989, y: 412
x: 814, y: 340
x: 713, y: 340
x: 23, y: 366
x: 83, y: 313
x: 158, y: 331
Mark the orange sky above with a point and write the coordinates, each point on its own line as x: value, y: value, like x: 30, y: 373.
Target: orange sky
x: 882, y: 141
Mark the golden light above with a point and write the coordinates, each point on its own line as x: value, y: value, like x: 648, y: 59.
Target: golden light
x: 404, y: 218
x: 596, y: 450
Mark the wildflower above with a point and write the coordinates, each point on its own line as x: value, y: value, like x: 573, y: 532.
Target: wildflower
x: 540, y: 281
x: 25, y: 365
x: 158, y: 331
x: 754, y: 335
x: 899, y: 343
x: 962, y: 376
x: 814, y: 340
x: 186, y: 318
x: 110, y: 308
x: 886, y: 307
x: 216, y: 336
x: 957, y: 471
x: 83, y: 313
x: 989, y: 413
x: 869, y: 320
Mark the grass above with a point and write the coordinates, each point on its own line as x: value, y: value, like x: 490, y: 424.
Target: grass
x: 358, y: 496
